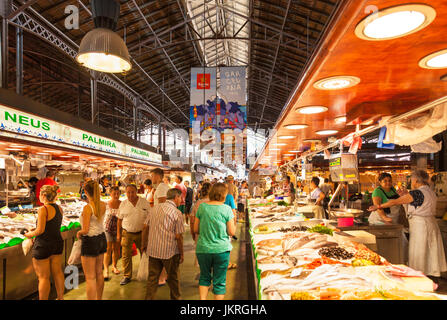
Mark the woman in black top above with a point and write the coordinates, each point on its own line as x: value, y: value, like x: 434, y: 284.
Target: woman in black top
x: 48, y: 244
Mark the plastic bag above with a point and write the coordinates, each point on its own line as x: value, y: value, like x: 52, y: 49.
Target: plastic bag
x: 75, y: 255
x: 27, y: 244
x: 143, y: 269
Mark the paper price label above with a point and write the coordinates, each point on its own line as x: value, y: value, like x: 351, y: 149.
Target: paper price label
x: 5, y: 210
x: 296, y: 272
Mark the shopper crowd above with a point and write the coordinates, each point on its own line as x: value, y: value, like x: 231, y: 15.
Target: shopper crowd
x: 154, y: 224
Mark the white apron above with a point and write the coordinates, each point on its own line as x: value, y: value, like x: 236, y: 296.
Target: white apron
x: 426, y: 250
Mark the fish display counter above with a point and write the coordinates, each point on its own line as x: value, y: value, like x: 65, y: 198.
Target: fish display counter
x: 296, y: 258
x: 16, y: 269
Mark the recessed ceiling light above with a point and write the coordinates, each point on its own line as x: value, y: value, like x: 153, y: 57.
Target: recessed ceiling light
x: 289, y: 155
x: 280, y: 144
x: 311, y: 141
x: 326, y: 132
x: 286, y: 137
x: 395, y: 22
x: 13, y: 149
x: 296, y: 126
x: 436, y: 60
x: 337, y: 83
x: 17, y: 145
x: 294, y: 151
x: 274, y: 149
x: 311, y: 109
x: 340, y: 119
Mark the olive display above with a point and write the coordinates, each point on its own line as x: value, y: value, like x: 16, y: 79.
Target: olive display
x: 335, y: 253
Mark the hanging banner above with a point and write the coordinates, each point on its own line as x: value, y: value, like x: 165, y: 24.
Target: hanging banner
x: 232, y: 104
x: 203, y: 99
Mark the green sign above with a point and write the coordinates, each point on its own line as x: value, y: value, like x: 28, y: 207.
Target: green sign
x: 335, y: 162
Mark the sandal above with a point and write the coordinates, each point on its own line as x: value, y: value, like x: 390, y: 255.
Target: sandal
x: 232, y: 266
x: 116, y: 271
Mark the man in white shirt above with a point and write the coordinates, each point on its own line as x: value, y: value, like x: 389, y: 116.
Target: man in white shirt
x: 161, y: 188
x: 131, y: 217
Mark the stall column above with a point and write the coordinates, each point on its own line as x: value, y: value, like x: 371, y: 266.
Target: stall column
x: 441, y: 156
x: 19, y: 60
x: 5, y: 9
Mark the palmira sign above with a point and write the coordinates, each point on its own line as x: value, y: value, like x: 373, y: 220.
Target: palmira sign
x: 26, y: 124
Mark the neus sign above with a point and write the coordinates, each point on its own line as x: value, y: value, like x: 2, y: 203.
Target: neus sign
x: 15, y: 121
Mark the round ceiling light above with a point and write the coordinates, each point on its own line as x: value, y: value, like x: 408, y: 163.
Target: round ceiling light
x: 294, y: 151
x: 296, y: 126
x: 395, y: 22
x: 326, y: 132
x: 337, y: 83
x: 103, y: 50
x: 311, y: 109
x: 274, y: 149
x: 436, y: 60
x: 279, y: 144
x: 340, y: 120
x: 286, y: 137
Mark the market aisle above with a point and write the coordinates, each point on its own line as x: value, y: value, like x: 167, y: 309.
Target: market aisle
x: 237, y: 286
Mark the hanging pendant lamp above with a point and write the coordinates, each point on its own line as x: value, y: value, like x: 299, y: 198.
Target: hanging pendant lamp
x: 102, y: 49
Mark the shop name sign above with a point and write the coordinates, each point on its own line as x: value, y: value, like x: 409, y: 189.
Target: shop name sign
x: 99, y: 140
x: 26, y: 124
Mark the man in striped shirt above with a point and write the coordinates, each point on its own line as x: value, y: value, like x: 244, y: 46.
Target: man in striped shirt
x: 163, y: 241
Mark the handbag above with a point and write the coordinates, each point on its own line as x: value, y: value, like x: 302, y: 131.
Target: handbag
x: 75, y: 255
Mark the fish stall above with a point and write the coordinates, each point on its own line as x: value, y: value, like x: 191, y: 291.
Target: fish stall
x: 297, y: 258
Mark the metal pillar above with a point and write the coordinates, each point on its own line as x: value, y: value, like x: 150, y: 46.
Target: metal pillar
x: 19, y: 60
x: 159, y: 134
x: 4, y: 53
x: 135, y: 126
x: 164, y: 138
x: 94, y: 96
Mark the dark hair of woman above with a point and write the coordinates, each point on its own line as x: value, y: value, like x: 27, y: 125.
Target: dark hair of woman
x: 384, y: 175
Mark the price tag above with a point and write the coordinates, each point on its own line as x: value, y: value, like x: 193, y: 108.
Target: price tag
x: 296, y: 272
x: 20, y: 207
x: 5, y: 210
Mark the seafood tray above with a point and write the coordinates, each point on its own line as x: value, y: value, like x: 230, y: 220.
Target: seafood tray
x: 276, y: 226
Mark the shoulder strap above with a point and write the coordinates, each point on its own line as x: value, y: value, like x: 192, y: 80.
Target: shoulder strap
x: 46, y: 215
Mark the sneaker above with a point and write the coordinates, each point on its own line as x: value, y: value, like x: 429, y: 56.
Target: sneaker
x: 125, y: 281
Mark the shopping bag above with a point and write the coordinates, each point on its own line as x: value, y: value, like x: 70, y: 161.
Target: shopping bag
x: 75, y: 255
x: 134, y: 250
x: 27, y: 244
x: 143, y: 269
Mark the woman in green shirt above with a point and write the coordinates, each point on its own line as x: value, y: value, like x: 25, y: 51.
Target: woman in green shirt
x: 214, y: 223
x: 381, y: 195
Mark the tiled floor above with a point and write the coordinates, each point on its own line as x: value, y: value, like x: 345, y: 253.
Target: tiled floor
x: 135, y: 290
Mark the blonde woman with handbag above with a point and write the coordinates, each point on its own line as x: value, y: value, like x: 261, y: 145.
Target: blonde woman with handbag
x: 94, y: 243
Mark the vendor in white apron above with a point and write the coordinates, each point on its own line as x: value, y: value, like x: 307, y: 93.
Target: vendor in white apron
x: 426, y: 250
x: 381, y: 195
x: 317, y: 196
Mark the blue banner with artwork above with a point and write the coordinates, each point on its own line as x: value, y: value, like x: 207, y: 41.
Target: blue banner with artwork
x: 224, y: 108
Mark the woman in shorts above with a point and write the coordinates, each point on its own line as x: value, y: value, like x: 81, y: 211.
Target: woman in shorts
x: 94, y: 243
x: 110, y: 226
x: 48, y: 244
